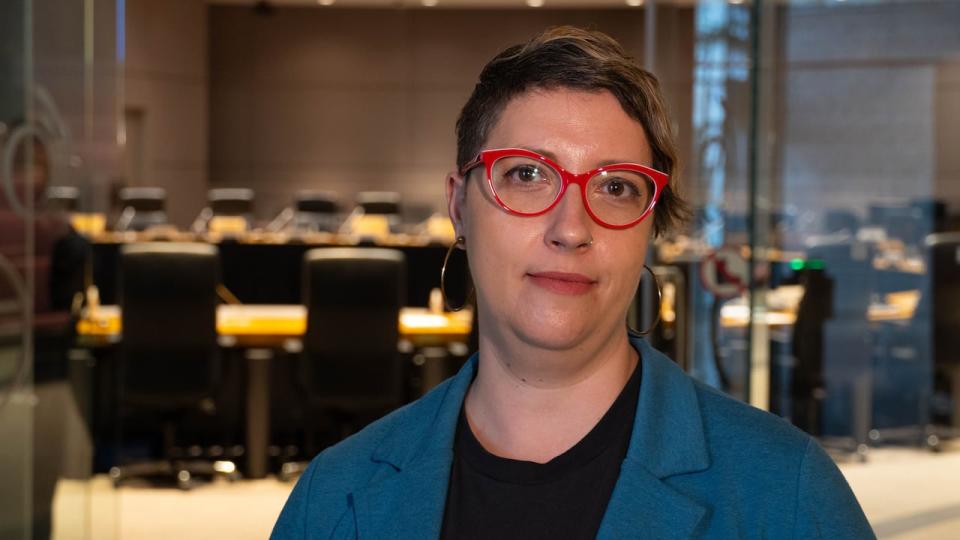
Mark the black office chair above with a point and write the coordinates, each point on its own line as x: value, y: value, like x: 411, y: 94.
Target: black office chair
x: 833, y: 385
x: 378, y: 203
x: 228, y: 203
x: 807, y: 386
x: 944, y: 267
x: 142, y: 208
x: 231, y: 201
x: 918, y: 375
x: 316, y: 211
x: 350, y: 367
x: 63, y: 198
x: 170, y: 362
x: 312, y: 211
x: 837, y: 221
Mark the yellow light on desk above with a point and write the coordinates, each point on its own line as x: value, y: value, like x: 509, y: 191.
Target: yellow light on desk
x: 375, y: 226
x: 91, y: 224
x: 440, y: 227
x: 228, y: 224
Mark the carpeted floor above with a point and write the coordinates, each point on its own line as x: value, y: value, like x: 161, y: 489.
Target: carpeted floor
x: 906, y: 493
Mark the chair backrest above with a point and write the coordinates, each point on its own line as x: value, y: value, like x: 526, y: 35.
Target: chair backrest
x: 836, y: 220
x: 63, y: 198
x: 944, y: 298
x: 230, y: 201
x: 142, y: 208
x: 229, y: 210
x: 353, y: 298
x: 850, y: 265
x: 379, y: 202
x: 169, y: 309
x: 316, y: 211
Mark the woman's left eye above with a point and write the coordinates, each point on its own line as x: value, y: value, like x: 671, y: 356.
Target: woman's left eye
x: 528, y: 174
x: 619, y: 188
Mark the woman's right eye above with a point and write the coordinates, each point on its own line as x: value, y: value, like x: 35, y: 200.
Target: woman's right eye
x: 524, y: 174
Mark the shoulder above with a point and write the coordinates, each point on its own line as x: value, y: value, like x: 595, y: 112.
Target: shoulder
x: 705, y: 417
x: 762, y: 450
x: 753, y: 473
x: 727, y: 421
x: 779, y: 471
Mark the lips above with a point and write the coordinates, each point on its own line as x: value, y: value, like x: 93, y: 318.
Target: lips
x: 562, y: 282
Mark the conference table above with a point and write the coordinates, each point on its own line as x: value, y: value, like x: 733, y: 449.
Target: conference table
x: 259, y: 328
x: 266, y: 325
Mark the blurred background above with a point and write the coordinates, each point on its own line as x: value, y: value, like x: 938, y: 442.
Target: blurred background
x: 222, y: 224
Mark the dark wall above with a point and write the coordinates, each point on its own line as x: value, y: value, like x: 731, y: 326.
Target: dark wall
x: 358, y: 99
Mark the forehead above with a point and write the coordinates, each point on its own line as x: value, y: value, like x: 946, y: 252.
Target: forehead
x: 578, y: 127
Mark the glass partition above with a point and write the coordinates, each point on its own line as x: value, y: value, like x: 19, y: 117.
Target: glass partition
x: 864, y: 100
x: 822, y: 261
x: 58, y: 92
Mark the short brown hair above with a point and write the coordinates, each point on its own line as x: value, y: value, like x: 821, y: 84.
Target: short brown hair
x: 574, y: 58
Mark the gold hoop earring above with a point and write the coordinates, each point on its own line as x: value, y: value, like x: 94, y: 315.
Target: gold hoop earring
x: 461, y: 241
x: 656, y: 319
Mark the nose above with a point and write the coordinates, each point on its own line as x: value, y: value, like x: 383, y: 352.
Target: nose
x: 570, y: 226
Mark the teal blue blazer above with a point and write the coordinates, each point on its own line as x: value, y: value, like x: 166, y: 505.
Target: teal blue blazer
x: 700, y: 465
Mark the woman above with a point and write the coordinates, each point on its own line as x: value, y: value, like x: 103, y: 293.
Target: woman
x: 563, y: 425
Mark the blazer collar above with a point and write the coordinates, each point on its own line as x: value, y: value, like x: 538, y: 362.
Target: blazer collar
x: 410, y: 503
x: 668, y: 439
x: 412, y: 439
x: 668, y: 436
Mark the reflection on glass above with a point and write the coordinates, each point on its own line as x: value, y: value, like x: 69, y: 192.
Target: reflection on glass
x: 859, y: 201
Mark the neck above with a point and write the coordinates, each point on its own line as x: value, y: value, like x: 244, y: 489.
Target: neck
x: 533, y: 404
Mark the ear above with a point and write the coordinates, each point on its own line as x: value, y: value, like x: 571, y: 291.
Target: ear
x: 457, y: 201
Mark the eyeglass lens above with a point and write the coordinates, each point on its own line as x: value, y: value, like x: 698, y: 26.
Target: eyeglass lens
x: 528, y: 186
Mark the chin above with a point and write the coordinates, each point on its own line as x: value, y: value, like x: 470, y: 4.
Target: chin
x: 552, y: 333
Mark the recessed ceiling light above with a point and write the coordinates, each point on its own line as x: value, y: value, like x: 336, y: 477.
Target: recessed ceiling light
x: 736, y: 2
x: 429, y: 3
x: 634, y: 3
x: 326, y: 2
x: 535, y: 3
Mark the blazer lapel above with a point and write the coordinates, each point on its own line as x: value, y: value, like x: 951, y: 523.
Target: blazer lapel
x: 667, y: 440
x: 408, y: 501
x: 643, y: 506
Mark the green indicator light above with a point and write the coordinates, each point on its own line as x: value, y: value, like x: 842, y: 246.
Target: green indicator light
x: 796, y: 264
x: 816, y: 264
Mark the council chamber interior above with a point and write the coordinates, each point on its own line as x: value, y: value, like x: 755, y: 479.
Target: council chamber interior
x: 222, y: 224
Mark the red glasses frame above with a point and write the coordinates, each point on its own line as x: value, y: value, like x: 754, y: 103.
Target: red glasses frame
x: 488, y: 157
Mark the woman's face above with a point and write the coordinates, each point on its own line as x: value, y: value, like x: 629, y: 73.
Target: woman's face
x: 554, y: 280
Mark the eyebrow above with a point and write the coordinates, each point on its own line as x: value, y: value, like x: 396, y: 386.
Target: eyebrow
x: 553, y: 157
x: 540, y: 151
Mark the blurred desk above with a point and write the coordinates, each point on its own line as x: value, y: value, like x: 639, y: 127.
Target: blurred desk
x: 897, y: 306
x: 907, y: 265
x: 88, y: 224
x: 262, y: 327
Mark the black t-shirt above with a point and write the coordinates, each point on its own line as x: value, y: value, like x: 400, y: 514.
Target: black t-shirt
x: 495, y: 497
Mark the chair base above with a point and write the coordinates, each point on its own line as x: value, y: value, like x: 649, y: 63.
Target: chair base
x: 292, y: 470
x: 182, y: 473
